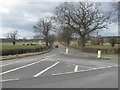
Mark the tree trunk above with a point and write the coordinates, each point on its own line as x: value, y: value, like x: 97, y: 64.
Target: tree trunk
x: 46, y: 41
x: 82, y: 42
x: 68, y: 42
x: 14, y: 41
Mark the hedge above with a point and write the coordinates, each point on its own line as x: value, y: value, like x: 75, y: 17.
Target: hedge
x: 95, y: 50
x: 21, y: 51
x: 104, y: 51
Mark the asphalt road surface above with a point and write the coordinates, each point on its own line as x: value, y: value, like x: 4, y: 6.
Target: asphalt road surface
x: 57, y: 69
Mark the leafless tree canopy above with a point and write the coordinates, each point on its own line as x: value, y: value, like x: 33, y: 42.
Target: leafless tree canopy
x: 12, y: 36
x: 82, y: 17
x: 43, y: 27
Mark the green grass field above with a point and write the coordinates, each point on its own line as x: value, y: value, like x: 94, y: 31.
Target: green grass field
x: 106, y: 49
x: 96, y: 46
x: 18, y: 45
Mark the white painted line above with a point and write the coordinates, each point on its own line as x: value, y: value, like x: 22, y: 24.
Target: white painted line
x: 45, y: 69
x: 91, y: 69
x: 101, y: 67
x: 58, y: 73
x: 21, y: 67
x: 82, y: 70
x: 47, y: 56
x: 6, y: 64
x: 95, y: 68
x: 9, y: 80
x: 62, y: 73
x: 53, y: 55
x: 85, y: 66
x: 115, y: 65
x: 76, y: 68
x: 109, y: 66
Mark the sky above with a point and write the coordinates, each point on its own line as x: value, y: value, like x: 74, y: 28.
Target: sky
x: 21, y: 15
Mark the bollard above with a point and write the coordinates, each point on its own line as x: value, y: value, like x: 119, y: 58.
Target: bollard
x: 66, y: 50
x: 99, y: 54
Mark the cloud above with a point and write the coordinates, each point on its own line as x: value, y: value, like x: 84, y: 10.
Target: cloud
x: 111, y: 31
x: 21, y: 15
x: 21, y: 33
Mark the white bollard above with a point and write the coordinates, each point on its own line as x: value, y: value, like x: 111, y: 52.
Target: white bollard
x: 66, y: 50
x: 99, y: 54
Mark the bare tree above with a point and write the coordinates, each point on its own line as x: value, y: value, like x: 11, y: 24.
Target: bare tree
x: 115, y: 6
x: 115, y: 11
x: 12, y: 36
x: 83, y: 18
x: 43, y: 27
x: 65, y: 35
x: 112, y: 41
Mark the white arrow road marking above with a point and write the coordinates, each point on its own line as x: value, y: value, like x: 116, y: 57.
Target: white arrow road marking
x: 76, y: 68
x: 21, y: 67
x: 45, y: 69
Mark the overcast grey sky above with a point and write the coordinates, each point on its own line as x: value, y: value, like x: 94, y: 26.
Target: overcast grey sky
x: 21, y: 15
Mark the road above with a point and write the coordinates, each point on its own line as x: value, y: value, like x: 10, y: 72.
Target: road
x: 57, y: 69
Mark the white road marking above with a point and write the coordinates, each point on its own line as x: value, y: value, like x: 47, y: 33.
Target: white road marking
x: 9, y: 63
x: 76, y: 68
x: 63, y: 73
x: 9, y: 80
x: 95, y: 68
x: 90, y: 69
x: 101, y: 67
x: 6, y: 64
x: 115, y: 65
x: 21, y: 67
x: 109, y: 66
x: 47, y: 56
x: 53, y: 55
x: 45, y: 69
x: 85, y: 66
